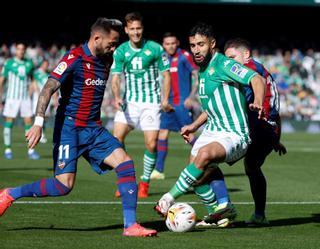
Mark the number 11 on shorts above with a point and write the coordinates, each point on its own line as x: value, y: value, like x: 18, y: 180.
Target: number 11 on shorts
x: 64, y: 151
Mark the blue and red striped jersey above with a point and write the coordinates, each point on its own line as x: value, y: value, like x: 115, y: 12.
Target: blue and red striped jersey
x: 83, y: 79
x: 271, y: 101
x: 181, y: 67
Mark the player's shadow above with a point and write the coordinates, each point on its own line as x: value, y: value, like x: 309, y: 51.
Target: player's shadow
x: 26, y: 169
x: 158, y: 225
x: 314, y: 218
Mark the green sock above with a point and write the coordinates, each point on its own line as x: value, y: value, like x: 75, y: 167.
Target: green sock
x: 7, y: 134
x: 187, y: 177
x: 27, y: 127
x: 149, y: 162
x: 207, y: 196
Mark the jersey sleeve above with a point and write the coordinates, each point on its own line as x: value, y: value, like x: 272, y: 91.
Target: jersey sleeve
x: 189, y: 63
x: 64, y: 68
x: 162, y: 60
x: 4, y: 70
x: 118, y: 61
x: 234, y: 71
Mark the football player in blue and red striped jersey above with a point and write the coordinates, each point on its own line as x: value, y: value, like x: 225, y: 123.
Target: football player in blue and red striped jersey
x: 81, y: 77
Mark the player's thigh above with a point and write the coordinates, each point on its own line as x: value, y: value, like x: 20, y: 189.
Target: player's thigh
x: 65, y: 149
x: 130, y: 116
x: 104, y: 151
x: 11, y: 108
x: 150, y: 118
x: 212, y: 152
x: 26, y: 108
x: 121, y: 130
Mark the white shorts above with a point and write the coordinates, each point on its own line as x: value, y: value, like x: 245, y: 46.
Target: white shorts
x: 145, y: 117
x: 13, y: 106
x: 234, y: 145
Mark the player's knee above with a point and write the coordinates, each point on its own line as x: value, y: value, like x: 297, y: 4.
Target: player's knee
x: 202, y: 159
x: 252, y: 166
x: 151, y: 145
x: 67, y: 181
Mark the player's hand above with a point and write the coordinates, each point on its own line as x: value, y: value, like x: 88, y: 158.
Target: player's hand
x: 281, y: 149
x: 257, y: 108
x: 118, y: 103
x: 186, y: 130
x: 188, y: 103
x: 166, y: 107
x: 33, y: 136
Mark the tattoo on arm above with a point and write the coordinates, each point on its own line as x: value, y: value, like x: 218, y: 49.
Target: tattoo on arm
x: 47, y: 91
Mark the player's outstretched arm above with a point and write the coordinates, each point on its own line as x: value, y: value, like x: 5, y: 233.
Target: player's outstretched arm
x: 259, y: 88
x: 34, y: 134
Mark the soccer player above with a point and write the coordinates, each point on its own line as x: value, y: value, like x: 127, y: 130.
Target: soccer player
x: 81, y: 76
x: 183, y: 71
x: 17, y: 72
x: 225, y: 137
x: 140, y: 60
x: 265, y: 133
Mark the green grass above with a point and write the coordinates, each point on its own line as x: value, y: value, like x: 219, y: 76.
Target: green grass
x: 291, y: 178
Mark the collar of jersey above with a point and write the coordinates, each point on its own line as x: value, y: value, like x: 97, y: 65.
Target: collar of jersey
x: 86, y: 49
x: 137, y: 49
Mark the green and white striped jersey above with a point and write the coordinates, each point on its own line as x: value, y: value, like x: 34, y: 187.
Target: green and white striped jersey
x: 222, y: 96
x: 17, y: 73
x: 141, y: 69
x: 40, y: 77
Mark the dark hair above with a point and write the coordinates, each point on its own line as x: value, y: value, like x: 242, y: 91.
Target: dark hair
x: 133, y: 16
x: 236, y: 43
x: 106, y: 25
x: 169, y: 34
x: 202, y: 29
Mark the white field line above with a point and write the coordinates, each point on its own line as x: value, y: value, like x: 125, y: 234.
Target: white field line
x: 153, y: 202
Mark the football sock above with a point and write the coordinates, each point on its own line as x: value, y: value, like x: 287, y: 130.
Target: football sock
x: 27, y: 127
x: 219, y: 187
x: 258, y: 185
x: 42, y: 188
x: 149, y: 160
x: 7, y: 134
x: 187, y: 177
x: 207, y: 196
x: 162, y: 151
x: 127, y: 187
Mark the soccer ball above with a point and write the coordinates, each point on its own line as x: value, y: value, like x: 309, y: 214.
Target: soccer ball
x: 181, y: 217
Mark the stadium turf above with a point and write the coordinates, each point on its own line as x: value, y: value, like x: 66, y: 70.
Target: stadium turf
x: 90, y: 217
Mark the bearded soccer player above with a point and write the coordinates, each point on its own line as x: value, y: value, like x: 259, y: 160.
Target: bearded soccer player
x: 140, y: 60
x: 184, y: 77
x: 225, y: 137
x: 81, y: 76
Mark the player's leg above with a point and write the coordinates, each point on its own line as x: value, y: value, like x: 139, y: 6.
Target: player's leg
x: 162, y: 151
x: 65, y: 154
x: 32, y: 154
x: 10, y: 112
x: 121, y: 130
x: 149, y: 161
x: 111, y: 154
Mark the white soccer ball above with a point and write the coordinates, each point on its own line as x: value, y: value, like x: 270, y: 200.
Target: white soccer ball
x: 181, y: 217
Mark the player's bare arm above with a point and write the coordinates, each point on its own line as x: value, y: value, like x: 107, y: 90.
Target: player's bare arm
x: 34, y: 134
x: 166, y: 92
x: 259, y: 88
x: 115, y: 86
x: 191, y: 128
x: 189, y: 101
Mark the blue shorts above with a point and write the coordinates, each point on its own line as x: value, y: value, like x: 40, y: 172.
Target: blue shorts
x: 94, y: 143
x: 174, y: 121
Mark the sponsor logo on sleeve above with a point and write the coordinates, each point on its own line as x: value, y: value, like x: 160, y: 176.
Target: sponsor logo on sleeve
x: 61, y: 68
x: 239, y: 70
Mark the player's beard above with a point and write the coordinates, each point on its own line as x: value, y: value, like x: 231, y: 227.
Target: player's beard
x: 205, y: 61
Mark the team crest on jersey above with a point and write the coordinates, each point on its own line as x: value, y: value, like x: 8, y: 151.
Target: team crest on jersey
x: 88, y: 65
x: 226, y: 63
x: 175, y: 59
x: 70, y: 56
x: 61, y: 68
x: 165, y: 59
x: 147, y: 52
x: 239, y: 70
x: 61, y: 164
x: 127, y: 54
x: 211, y: 71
